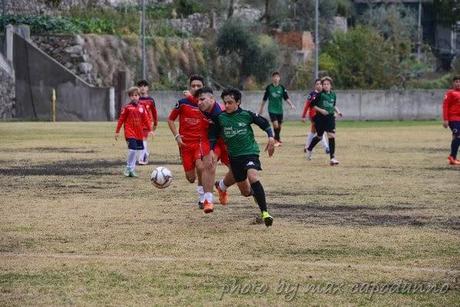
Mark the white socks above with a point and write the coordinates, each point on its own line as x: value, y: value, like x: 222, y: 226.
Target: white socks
x: 131, y: 163
x: 144, y: 153
x: 310, y: 137
x: 208, y: 196
x: 200, y: 191
x: 325, y: 142
x: 222, y: 186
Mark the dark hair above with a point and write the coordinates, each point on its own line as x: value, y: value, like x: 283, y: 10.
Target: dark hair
x: 142, y: 83
x: 231, y: 92
x: 196, y: 77
x: 275, y: 73
x: 203, y: 90
x: 455, y: 78
x: 318, y: 79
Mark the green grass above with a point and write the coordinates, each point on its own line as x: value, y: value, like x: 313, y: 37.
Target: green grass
x: 74, y: 231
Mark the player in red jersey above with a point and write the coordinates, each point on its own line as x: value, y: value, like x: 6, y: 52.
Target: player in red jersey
x: 191, y: 122
x: 149, y: 104
x: 311, y: 113
x: 134, y: 118
x: 210, y: 108
x: 451, y: 117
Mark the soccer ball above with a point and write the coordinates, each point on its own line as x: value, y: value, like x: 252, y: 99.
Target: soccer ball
x: 161, y: 177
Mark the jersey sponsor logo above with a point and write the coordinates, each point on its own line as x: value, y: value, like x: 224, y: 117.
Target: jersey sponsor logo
x: 229, y: 132
x: 250, y: 163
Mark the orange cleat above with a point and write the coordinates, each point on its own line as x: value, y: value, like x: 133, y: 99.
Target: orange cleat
x: 223, y: 196
x: 208, y: 207
x: 453, y: 161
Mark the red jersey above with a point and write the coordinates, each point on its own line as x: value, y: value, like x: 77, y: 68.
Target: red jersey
x: 451, y: 106
x: 308, y: 107
x: 134, y: 118
x: 149, y: 105
x: 192, y: 122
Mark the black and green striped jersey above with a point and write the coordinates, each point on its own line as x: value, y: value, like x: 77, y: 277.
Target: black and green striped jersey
x: 236, y: 131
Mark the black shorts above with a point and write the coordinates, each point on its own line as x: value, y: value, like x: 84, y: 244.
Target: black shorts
x: 135, y: 144
x: 455, y: 127
x: 324, y: 123
x: 240, y: 165
x: 276, y: 117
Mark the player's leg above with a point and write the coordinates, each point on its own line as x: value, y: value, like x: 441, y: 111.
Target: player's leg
x: 275, y: 124
x: 325, y: 144
x: 320, y: 128
x: 280, y: 124
x: 259, y: 195
x: 143, y: 156
x: 131, y: 159
x: 228, y: 180
x: 455, y: 144
x: 207, y: 205
x: 311, y: 134
x: 331, y: 138
x: 137, y: 144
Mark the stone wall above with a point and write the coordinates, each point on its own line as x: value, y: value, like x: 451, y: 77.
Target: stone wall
x: 7, y: 96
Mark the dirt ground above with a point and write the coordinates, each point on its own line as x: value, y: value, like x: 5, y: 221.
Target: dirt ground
x: 381, y: 228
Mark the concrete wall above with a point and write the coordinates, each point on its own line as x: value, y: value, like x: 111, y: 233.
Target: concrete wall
x: 7, y: 93
x: 37, y: 74
x: 356, y: 105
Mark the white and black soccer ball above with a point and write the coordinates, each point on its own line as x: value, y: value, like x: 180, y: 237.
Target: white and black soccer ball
x: 161, y: 177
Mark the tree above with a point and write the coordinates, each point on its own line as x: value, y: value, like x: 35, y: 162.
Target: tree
x: 362, y: 58
x: 257, y: 54
x: 447, y: 12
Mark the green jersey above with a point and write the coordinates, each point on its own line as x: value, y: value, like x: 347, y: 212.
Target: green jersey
x: 275, y: 96
x: 325, y: 101
x: 236, y: 131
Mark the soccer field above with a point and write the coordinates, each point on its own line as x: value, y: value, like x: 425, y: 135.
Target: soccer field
x: 383, y: 228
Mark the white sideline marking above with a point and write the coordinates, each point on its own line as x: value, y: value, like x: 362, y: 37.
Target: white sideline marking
x: 219, y: 260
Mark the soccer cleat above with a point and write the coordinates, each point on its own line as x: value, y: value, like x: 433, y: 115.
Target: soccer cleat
x: 309, y: 154
x: 334, y: 161
x: 223, y: 196
x: 208, y: 207
x: 268, y: 219
x: 126, y: 172
x: 200, y: 205
x: 133, y: 174
x: 453, y: 161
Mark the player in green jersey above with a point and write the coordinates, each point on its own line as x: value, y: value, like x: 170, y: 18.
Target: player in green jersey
x: 234, y: 126
x: 275, y: 93
x: 326, y: 109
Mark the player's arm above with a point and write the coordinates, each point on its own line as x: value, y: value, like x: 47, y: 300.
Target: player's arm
x: 264, y: 100
x: 288, y: 100
x: 314, y: 104
x: 172, y: 126
x: 213, y: 132
x: 264, y: 124
x: 305, y: 108
x: 445, y: 110
x: 338, y: 111
x: 154, y: 117
x: 145, y: 121
x: 121, y: 120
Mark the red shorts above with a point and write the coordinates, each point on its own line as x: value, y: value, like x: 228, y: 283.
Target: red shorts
x: 220, y: 150
x: 189, y: 153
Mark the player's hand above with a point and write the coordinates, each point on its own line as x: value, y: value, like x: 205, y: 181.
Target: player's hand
x: 445, y: 124
x: 324, y: 112
x: 340, y: 114
x: 270, y: 146
x: 210, y: 160
x: 116, y: 136
x: 292, y: 107
x: 304, y: 120
x: 187, y: 93
x: 179, y: 140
